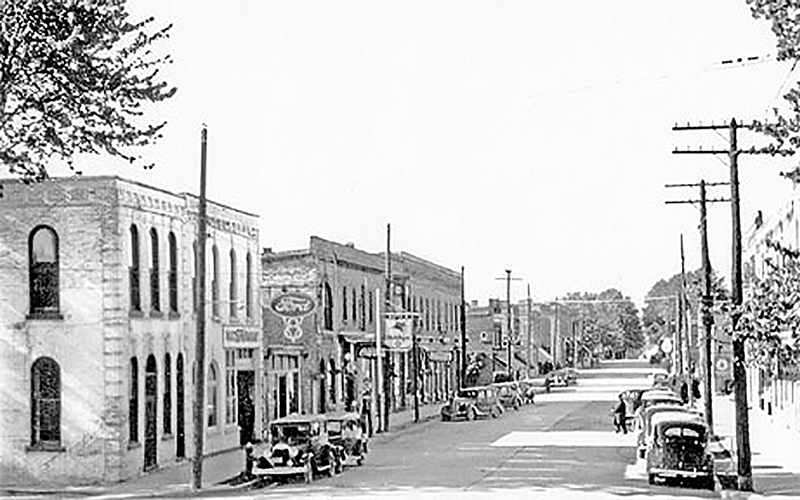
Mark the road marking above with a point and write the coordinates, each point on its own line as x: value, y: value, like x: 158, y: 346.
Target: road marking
x: 580, y: 439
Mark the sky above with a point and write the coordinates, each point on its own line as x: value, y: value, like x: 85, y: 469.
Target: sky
x: 533, y: 135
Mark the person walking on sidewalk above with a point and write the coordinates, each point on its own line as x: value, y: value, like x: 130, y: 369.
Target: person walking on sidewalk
x: 620, y: 413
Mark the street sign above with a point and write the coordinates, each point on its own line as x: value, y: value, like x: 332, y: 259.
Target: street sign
x: 399, y: 329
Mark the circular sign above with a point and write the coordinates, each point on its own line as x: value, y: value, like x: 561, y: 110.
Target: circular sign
x: 666, y: 345
x: 722, y: 364
x: 292, y: 304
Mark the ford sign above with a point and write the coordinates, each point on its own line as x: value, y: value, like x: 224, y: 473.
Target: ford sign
x: 292, y: 304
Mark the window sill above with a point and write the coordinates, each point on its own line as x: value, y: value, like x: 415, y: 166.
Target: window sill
x: 156, y: 314
x: 135, y: 313
x: 174, y: 315
x: 168, y: 437
x: 46, y: 447
x: 45, y: 315
x: 132, y: 445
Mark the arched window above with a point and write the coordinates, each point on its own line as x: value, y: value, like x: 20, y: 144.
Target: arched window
x: 248, y: 284
x: 133, y: 402
x: 344, y: 303
x: 333, y: 378
x: 133, y: 271
x: 155, y: 287
x: 362, y: 304
x: 327, y: 311
x: 43, y: 271
x: 233, y: 295
x: 45, y: 403
x: 212, y: 395
x: 173, y: 273
x: 371, y: 307
x: 214, y: 281
x: 354, y: 305
x: 167, y: 394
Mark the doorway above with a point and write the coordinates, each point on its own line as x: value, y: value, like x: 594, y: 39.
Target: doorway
x: 180, y: 442
x: 245, y: 381
x: 151, y: 414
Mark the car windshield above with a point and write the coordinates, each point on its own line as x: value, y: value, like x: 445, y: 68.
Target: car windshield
x: 291, y: 434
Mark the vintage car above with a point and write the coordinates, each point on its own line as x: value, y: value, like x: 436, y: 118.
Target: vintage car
x: 528, y: 389
x: 654, y: 397
x: 677, y: 448
x: 347, y: 436
x: 299, y: 446
x: 473, y: 402
x: 510, y: 394
x: 557, y: 378
x: 643, y: 427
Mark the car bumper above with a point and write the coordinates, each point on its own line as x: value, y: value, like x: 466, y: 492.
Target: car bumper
x: 680, y: 473
x: 278, y: 471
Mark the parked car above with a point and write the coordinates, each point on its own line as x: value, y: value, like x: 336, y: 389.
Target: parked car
x: 299, y: 446
x: 347, y: 437
x: 557, y: 378
x: 678, y: 448
x: 654, y: 397
x: 642, y: 428
x: 571, y: 374
x: 473, y: 402
x: 528, y: 389
x: 510, y: 394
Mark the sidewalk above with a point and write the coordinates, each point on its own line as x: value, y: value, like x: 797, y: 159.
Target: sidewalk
x: 175, y: 479
x: 775, y: 451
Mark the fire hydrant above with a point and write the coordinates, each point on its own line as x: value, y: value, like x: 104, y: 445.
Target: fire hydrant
x: 248, y: 459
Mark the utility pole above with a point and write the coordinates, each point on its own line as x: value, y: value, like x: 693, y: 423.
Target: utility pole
x: 509, y: 332
x: 708, y: 319
x: 531, y: 343
x: 744, y: 465
x: 200, y: 340
x: 386, y: 388
x: 463, y: 326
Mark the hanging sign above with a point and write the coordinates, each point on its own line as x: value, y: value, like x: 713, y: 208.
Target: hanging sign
x: 240, y: 337
x: 399, y: 331
x: 293, y: 307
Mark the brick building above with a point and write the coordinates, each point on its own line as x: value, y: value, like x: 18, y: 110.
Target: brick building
x: 320, y: 352
x: 97, y: 329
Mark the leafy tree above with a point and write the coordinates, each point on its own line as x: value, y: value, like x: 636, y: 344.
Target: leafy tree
x: 609, y: 319
x: 770, y: 316
x: 75, y: 77
x: 660, y: 307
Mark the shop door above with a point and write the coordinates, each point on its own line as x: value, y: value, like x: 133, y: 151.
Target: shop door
x: 150, y: 414
x: 245, y: 382
x: 180, y: 442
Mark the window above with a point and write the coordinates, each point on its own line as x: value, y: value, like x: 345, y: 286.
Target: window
x: 248, y: 284
x: 212, y: 390
x: 354, y: 305
x: 327, y: 311
x: 45, y: 404
x: 133, y: 402
x: 371, y: 308
x: 230, y: 386
x: 194, y: 276
x: 43, y: 272
x: 362, y: 304
x: 232, y: 292
x: 167, y: 394
x: 214, y: 281
x: 133, y: 271
x: 344, y: 303
x: 155, y: 288
x: 173, y: 273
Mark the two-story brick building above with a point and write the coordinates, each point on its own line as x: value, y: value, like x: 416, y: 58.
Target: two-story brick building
x: 97, y: 329
x: 320, y: 318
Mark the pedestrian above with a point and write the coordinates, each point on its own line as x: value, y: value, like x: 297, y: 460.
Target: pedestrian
x: 620, y: 412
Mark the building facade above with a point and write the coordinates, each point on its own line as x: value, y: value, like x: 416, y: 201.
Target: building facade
x: 321, y: 310
x: 98, y: 321
x: 775, y: 391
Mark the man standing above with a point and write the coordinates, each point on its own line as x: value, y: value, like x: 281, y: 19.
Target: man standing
x: 620, y: 413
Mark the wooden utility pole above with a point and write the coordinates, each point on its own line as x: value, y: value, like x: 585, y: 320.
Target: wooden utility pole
x: 509, y: 331
x: 708, y: 319
x: 532, y: 360
x: 200, y: 340
x: 386, y: 387
x: 463, y: 327
x: 744, y: 465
